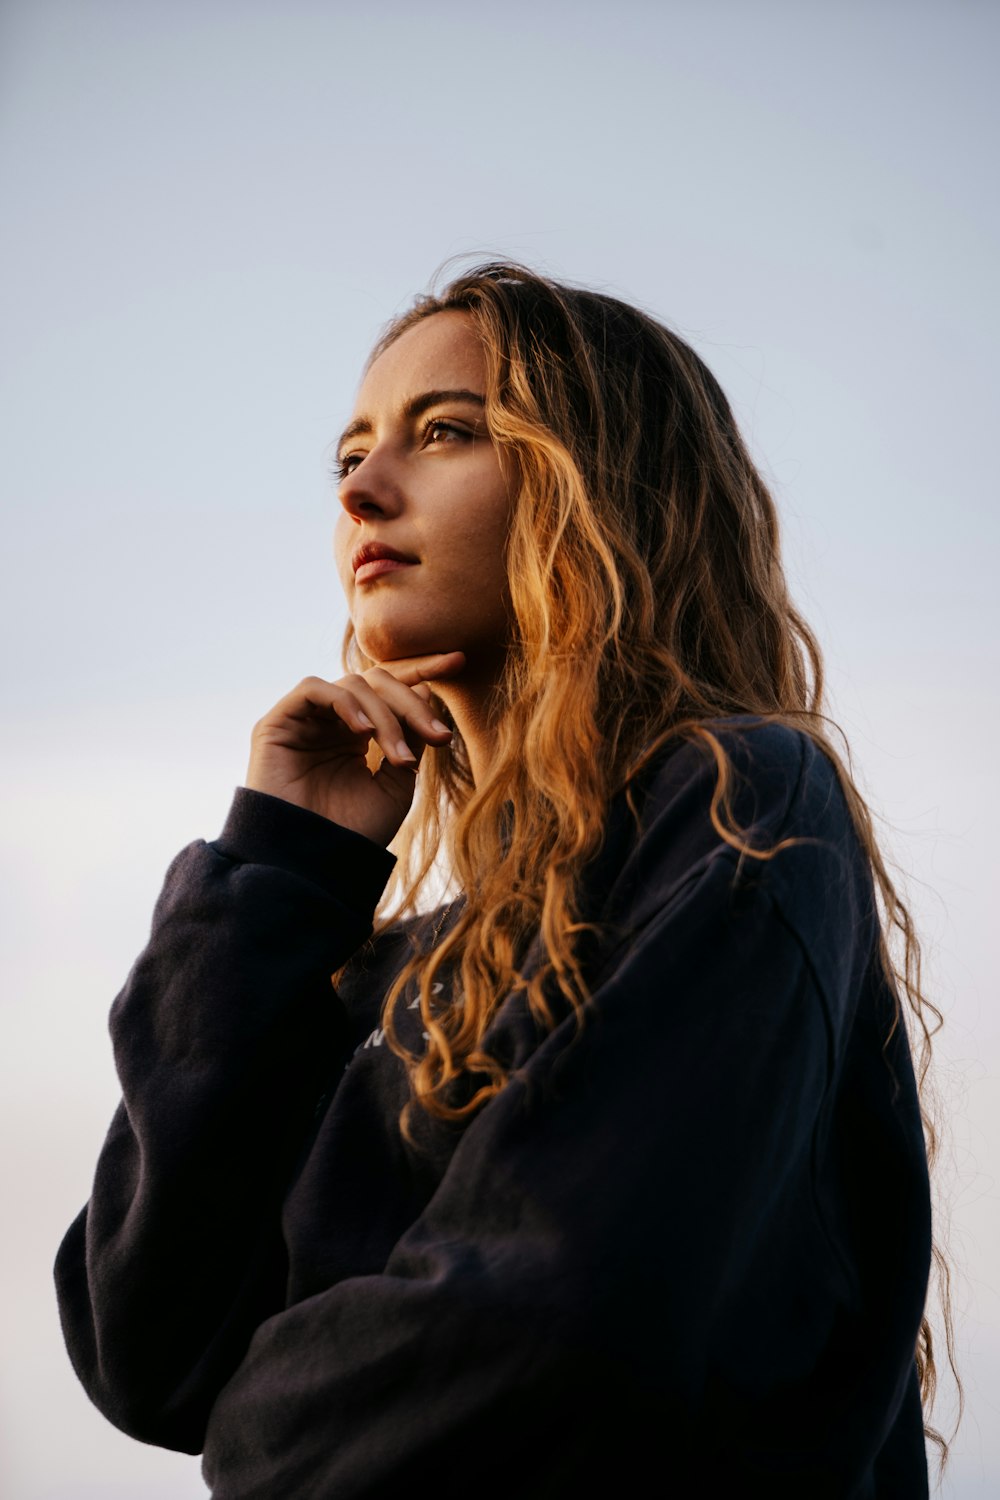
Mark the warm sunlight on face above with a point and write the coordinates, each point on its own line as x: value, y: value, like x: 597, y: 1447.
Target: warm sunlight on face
x: 421, y: 536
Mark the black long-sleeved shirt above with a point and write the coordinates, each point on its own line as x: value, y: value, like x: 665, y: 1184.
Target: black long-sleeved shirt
x: 692, y: 1236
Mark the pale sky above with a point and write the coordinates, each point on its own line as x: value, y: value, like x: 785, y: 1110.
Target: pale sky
x: 206, y: 213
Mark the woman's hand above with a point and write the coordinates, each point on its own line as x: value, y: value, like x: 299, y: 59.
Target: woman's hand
x: 311, y: 747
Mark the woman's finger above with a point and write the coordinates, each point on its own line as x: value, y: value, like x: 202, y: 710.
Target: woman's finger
x: 387, y: 727
x: 362, y: 712
x: 418, y: 669
x: 376, y: 705
x: 347, y: 707
x: 409, y: 706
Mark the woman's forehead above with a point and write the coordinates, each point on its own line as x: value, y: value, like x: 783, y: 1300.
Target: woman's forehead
x: 442, y: 351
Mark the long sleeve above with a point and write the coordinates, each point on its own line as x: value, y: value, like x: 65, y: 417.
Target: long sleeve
x: 690, y: 1237
x: 648, y: 1249
x: 224, y: 1035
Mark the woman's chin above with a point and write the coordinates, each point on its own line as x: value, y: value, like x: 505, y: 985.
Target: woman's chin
x: 382, y: 643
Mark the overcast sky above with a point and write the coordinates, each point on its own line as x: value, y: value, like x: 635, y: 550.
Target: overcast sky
x: 206, y: 213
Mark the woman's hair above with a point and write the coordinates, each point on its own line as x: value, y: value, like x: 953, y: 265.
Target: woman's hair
x: 648, y: 601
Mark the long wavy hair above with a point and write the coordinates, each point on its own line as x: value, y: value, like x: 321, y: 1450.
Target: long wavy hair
x: 648, y: 600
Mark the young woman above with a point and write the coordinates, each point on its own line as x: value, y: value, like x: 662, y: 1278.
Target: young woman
x: 610, y: 1169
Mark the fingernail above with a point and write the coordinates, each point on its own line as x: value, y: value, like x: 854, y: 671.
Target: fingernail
x: 404, y: 752
x: 441, y: 728
x: 364, y: 719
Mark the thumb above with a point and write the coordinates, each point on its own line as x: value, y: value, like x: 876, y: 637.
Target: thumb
x: 414, y: 671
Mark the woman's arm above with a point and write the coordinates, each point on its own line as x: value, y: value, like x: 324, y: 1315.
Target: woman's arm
x: 225, y: 1034
x: 667, y: 1242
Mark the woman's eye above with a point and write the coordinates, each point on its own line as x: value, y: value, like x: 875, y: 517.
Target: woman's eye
x: 342, y: 467
x: 442, y: 431
x: 432, y: 433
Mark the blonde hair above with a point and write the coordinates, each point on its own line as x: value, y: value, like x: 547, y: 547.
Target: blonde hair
x: 648, y: 600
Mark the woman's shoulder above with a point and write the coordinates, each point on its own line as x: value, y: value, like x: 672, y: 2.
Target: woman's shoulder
x: 762, y: 795
x: 775, y: 778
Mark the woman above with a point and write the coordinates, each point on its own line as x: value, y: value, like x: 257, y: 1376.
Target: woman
x: 612, y: 1167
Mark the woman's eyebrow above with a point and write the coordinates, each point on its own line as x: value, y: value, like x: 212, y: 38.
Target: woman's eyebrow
x: 412, y: 408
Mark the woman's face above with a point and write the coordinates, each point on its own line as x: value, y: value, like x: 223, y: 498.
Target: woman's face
x: 421, y: 478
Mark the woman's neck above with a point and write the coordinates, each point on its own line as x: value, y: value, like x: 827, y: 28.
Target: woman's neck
x: 469, y: 703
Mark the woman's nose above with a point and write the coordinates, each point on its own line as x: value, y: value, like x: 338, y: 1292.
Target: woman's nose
x: 372, y: 487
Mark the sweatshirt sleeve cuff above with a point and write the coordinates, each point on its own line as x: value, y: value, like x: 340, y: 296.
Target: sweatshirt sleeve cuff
x: 265, y: 830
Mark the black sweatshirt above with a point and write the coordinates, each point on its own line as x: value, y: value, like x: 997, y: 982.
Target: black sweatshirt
x: 692, y: 1238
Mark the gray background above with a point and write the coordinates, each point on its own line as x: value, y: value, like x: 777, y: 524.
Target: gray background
x: 206, y: 213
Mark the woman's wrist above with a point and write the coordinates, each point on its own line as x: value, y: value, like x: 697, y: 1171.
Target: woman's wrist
x: 262, y: 829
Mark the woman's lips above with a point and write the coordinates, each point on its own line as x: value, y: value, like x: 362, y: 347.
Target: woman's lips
x: 378, y: 566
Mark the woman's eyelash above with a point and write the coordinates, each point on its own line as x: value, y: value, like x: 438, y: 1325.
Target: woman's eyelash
x: 340, y: 469
x: 428, y: 427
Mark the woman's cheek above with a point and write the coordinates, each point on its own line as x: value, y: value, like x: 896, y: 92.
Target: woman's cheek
x: 342, y: 556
